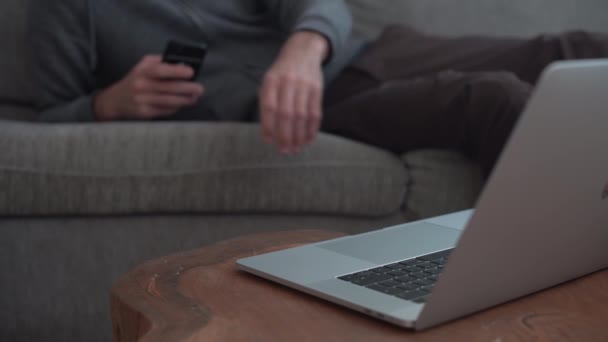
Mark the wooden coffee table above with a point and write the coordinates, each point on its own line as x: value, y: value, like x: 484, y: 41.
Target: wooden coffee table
x: 200, y: 296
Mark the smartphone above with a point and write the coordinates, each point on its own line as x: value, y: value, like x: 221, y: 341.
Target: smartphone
x: 188, y: 54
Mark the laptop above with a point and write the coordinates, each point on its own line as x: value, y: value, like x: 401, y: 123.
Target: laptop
x: 541, y: 220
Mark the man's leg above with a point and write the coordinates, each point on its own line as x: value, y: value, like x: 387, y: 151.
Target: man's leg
x: 410, y: 90
x: 471, y: 112
x: 401, y: 52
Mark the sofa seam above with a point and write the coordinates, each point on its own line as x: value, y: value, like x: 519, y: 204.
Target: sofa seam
x: 189, y: 172
x: 408, y: 186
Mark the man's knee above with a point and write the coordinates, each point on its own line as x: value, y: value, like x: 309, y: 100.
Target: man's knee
x: 495, y: 103
x: 499, y: 88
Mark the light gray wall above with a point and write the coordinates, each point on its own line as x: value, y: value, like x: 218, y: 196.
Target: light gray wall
x: 503, y: 17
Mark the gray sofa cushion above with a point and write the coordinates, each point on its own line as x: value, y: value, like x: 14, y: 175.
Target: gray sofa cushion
x: 14, y: 80
x: 188, y: 167
x: 498, y: 17
x: 440, y: 182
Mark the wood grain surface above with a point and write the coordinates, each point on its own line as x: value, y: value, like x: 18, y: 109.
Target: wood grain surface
x: 201, y: 296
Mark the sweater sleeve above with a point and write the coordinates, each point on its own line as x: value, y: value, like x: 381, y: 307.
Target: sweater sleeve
x: 62, y: 59
x: 331, y: 18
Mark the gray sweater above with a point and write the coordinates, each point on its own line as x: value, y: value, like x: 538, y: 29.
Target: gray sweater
x: 82, y: 46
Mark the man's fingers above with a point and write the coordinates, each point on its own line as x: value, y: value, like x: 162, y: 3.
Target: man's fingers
x: 190, y: 89
x: 290, y: 106
x: 269, y: 108
x: 286, y: 116
x: 164, y: 71
x: 301, y: 116
x: 152, y: 67
x: 315, y: 106
x: 151, y: 59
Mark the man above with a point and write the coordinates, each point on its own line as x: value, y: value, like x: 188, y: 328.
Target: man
x: 292, y: 65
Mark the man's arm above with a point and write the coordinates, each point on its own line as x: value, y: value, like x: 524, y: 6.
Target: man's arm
x: 330, y: 18
x: 62, y: 60
x: 292, y: 92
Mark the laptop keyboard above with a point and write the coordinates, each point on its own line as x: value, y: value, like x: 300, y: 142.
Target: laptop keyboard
x: 411, y: 279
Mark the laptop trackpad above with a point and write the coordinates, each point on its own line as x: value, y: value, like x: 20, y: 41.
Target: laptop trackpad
x: 397, y: 243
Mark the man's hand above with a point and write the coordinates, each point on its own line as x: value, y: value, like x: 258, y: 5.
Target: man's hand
x: 292, y: 93
x: 152, y: 89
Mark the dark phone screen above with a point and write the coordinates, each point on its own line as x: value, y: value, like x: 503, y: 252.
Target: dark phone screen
x: 188, y: 54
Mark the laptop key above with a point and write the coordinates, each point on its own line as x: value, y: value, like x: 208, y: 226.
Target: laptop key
x: 382, y: 270
x: 423, y: 282
x: 405, y: 279
x: 348, y: 277
x: 407, y: 287
x: 419, y: 275
x: 422, y: 289
x: 390, y: 283
x: 380, y: 277
x: 412, y: 262
x: 395, y: 266
x: 376, y: 287
x: 398, y: 273
x: 438, y: 255
x: 371, y: 280
x: 393, y: 291
x: 441, y: 261
x: 412, y: 269
x: 421, y: 300
x: 411, y: 294
x: 427, y: 288
x: 386, y: 290
x: 434, y: 271
x: 365, y: 274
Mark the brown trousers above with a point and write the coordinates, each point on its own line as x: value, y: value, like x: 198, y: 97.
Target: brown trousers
x: 410, y: 90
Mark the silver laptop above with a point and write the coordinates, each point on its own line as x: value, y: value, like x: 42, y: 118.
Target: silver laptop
x: 541, y: 220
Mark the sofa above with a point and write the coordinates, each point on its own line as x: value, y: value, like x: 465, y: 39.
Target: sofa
x: 80, y: 204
